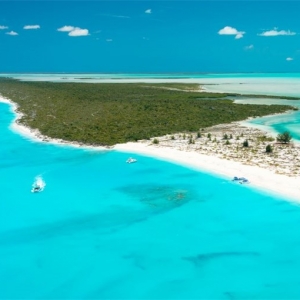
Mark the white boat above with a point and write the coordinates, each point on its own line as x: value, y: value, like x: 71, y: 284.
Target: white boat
x: 244, y: 180
x: 38, y: 185
x: 37, y: 189
x: 241, y: 180
x: 131, y: 160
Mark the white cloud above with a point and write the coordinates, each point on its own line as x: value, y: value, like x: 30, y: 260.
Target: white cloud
x: 12, y: 33
x: 148, y: 11
x: 32, y: 27
x: 78, y: 32
x: 74, y: 31
x: 66, y: 28
x: 249, y: 47
x: 109, y: 40
x: 239, y: 36
x: 228, y: 30
x: 275, y: 32
x: 3, y: 27
x: 289, y: 59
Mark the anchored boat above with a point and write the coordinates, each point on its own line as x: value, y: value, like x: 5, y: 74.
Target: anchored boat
x: 131, y: 160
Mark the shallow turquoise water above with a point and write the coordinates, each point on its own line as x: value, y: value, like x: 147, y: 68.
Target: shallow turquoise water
x: 276, y: 123
x: 151, y: 230
x: 287, y: 122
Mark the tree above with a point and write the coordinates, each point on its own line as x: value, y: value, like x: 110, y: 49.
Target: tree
x: 269, y: 149
x: 284, y: 138
x: 246, y: 143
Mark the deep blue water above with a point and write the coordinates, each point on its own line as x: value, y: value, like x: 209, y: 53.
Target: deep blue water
x: 104, y: 229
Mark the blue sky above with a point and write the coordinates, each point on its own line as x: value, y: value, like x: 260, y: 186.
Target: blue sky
x: 149, y: 36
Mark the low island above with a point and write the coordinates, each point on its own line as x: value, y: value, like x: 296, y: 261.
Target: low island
x: 178, y: 122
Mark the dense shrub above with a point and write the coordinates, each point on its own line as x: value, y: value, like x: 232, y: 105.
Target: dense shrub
x: 269, y: 149
x: 284, y: 137
x: 107, y: 114
x: 246, y: 143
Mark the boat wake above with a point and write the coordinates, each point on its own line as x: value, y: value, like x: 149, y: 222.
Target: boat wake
x: 38, y: 185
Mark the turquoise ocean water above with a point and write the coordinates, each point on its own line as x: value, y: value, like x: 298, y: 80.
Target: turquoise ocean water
x: 104, y: 229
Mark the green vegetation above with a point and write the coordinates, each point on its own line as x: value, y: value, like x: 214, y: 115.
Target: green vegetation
x: 107, y: 114
x: 263, y: 96
x: 179, y: 86
x: 155, y: 141
x: 246, y: 143
x: 269, y: 149
x: 265, y: 138
x: 284, y: 138
x: 191, y: 141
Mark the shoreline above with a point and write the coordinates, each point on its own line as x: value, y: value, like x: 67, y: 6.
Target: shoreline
x: 35, y: 135
x: 264, y: 128
x: 262, y: 179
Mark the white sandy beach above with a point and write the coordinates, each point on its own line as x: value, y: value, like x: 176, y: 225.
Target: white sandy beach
x: 262, y: 178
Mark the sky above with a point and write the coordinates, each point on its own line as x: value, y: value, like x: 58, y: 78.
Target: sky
x: 149, y: 36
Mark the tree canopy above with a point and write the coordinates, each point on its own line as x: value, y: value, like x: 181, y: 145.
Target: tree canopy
x: 284, y: 138
x: 107, y: 113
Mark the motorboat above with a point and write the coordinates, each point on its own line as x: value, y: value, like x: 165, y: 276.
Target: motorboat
x: 131, y: 160
x: 241, y: 180
x: 37, y: 189
x: 38, y: 185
